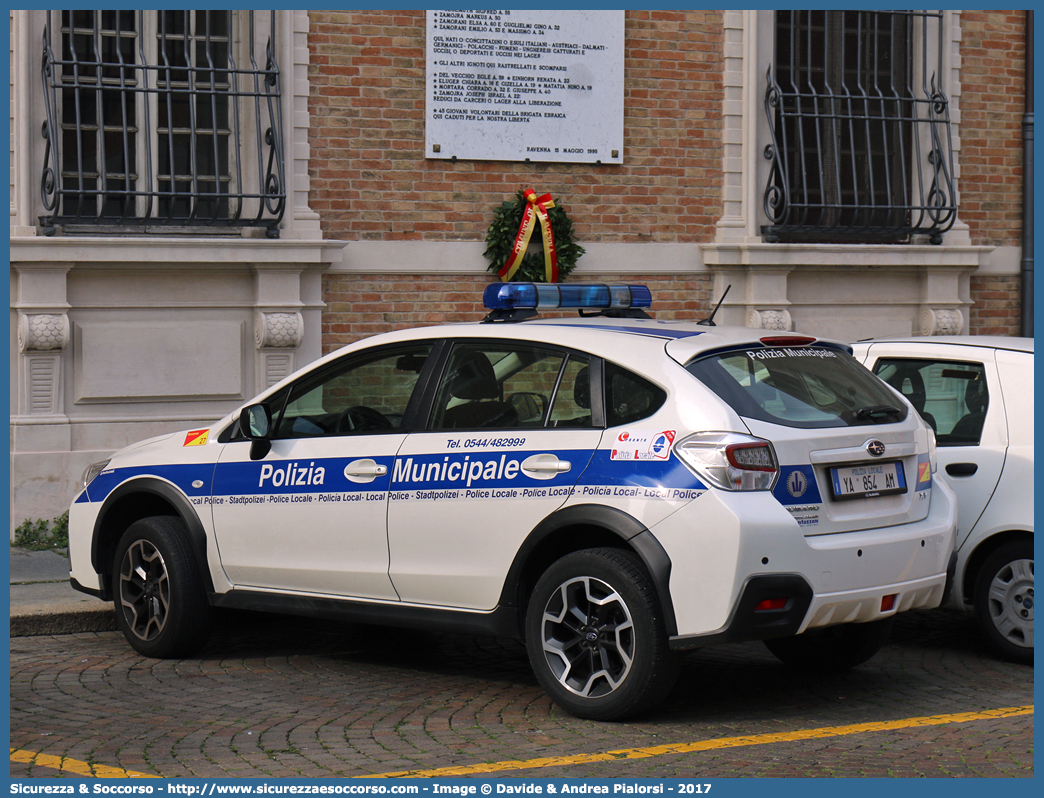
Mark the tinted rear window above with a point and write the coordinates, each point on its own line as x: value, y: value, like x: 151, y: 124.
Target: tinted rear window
x: 807, y: 387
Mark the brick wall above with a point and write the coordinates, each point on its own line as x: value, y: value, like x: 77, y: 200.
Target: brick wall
x: 992, y: 103
x: 370, y: 180
x: 998, y: 305
x: 363, y: 305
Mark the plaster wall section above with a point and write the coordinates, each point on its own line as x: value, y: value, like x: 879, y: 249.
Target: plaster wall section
x: 113, y: 343
x: 121, y: 336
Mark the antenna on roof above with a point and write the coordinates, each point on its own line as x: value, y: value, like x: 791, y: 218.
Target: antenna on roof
x: 709, y: 321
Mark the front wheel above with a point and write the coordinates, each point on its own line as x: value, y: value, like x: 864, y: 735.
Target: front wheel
x: 161, y: 603
x: 834, y: 649
x: 596, y: 636
x: 1004, y: 600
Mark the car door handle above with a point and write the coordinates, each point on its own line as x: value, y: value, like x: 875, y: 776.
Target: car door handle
x: 962, y: 469
x: 364, y: 470
x: 558, y: 466
x: 545, y: 466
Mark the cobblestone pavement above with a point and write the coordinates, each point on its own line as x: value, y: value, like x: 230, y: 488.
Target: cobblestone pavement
x: 274, y: 696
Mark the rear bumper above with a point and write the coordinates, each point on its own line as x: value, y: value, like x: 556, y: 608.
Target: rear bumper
x: 863, y: 606
x: 824, y: 579
x: 804, y: 610
x: 750, y: 623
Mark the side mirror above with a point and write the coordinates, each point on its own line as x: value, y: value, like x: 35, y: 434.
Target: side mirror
x: 255, y: 423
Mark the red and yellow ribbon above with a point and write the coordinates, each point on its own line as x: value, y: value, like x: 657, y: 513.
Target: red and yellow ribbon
x: 536, y: 208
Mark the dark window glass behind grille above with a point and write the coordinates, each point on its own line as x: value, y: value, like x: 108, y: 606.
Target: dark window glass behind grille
x: 197, y: 102
x: 162, y: 119
x: 99, y: 126
x: 860, y: 128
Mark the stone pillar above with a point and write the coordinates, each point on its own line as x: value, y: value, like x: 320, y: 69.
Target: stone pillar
x: 278, y: 322
x: 941, y: 306
x: 278, y: 335
x: 40, y: 426
x: 757, y: 297
x: 42, y: 333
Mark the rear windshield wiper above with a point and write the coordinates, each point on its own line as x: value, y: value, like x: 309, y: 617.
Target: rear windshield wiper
x: 876, y: 412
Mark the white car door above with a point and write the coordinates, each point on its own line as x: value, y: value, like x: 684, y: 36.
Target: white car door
x: 957, y: 390
x: 310, y: 516
x: 510, y: 433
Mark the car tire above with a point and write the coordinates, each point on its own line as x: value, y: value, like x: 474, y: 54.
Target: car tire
x: 834, y: 649
x: 161, y: 603
x: 596, y: 636
x: 1003, y: 600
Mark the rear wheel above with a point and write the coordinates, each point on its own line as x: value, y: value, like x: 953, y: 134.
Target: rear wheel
x: 596, y: 636
x: 834, y: 649
x: 161, y: 603
x: 1004, y: 600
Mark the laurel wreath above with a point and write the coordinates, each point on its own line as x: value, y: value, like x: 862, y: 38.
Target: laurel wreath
x: 500, y: 241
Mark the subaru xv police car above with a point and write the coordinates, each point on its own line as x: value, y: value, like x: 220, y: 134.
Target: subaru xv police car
x: 611, y: 489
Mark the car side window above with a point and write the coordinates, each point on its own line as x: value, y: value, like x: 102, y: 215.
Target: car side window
x: 508, y: 386
x: 952, y: 396
x: 364, y: 393
x: 629, y: 397
x: 572, y: 405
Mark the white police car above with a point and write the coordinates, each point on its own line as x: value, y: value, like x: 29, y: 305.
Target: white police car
x: 611, y: 489
x: 976, y: 392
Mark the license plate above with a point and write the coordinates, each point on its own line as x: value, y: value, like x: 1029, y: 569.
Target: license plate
x: 868, y: 481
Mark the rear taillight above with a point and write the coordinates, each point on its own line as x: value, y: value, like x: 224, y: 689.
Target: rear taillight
x: 729, y: 460
x: 750, y: 456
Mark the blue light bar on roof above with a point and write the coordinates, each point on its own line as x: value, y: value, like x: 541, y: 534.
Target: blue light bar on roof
x: 597, y: 296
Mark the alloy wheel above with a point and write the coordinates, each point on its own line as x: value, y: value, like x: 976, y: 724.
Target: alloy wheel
x: 588, y: 637
x: 144, y: 590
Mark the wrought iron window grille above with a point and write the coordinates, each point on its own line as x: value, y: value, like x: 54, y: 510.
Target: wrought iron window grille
x: 860, y: 129
x: 161, y: 121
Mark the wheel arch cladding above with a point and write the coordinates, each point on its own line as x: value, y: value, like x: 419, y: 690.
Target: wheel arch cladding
x: 585, y: 526
x: 137, y: 499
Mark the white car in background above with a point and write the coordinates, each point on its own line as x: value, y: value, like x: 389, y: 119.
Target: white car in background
x: 976, y: 392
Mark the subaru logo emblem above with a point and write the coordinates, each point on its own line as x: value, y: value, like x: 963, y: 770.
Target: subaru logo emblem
x: 875, y: 448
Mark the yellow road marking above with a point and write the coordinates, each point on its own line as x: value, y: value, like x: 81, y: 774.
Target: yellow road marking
x: 709, y: 745
x: 75, y: 766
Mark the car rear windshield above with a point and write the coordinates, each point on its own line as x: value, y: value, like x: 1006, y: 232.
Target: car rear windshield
x: 806, y: 386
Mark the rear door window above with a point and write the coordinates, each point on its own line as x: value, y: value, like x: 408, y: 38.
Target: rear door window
x: 507, y: 385
x: 951, y: 396
x: 808, y: 387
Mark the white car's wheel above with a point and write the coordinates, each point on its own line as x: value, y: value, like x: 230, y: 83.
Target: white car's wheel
x: 1004, y: 600
x: 596, y: 637
x: 161, y: 604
